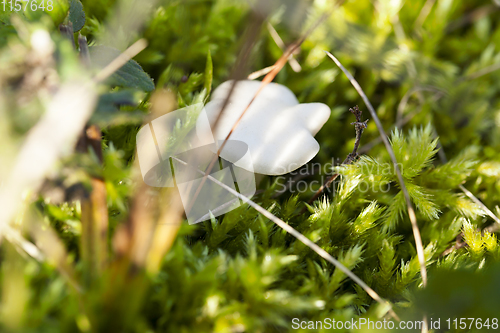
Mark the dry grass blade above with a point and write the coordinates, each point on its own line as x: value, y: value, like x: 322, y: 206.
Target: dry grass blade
x: 251, y: 36
x: 250, y: 39
x: 484, y: 71
x: 155, y: 215
x: 169, y: 223
x: 260, y: 72
x: 411, y: 211
x: 313, y: 246
x: 277, y: 39
x: 274, y: 71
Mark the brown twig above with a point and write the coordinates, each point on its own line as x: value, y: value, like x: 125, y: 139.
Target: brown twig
x: 351, y: 157
x: 267, y: 79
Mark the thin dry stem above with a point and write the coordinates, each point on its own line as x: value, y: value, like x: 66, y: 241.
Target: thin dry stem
x: 252, y: 34
x: 15, y: 237
x: 479, y: 203
x: 260, y: 72
x: 409, y: 205
x: 46, y: 142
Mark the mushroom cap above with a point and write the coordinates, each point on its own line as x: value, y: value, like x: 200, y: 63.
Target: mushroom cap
x: 278, y: 130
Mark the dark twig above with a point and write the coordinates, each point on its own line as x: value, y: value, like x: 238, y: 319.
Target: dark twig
x: 351, y: 157
x: 411, y: 211
x: 360, y: 127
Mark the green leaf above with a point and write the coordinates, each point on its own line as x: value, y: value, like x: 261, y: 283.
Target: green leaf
x: 76, y: 15
x: 130, y: 75
x: 209, y: 73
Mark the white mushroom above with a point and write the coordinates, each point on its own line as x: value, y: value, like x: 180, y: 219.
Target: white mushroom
x: 278, y: 130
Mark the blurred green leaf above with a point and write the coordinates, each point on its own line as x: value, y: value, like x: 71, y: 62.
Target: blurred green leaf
x: 76, y: 15
x: 130, y: 75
